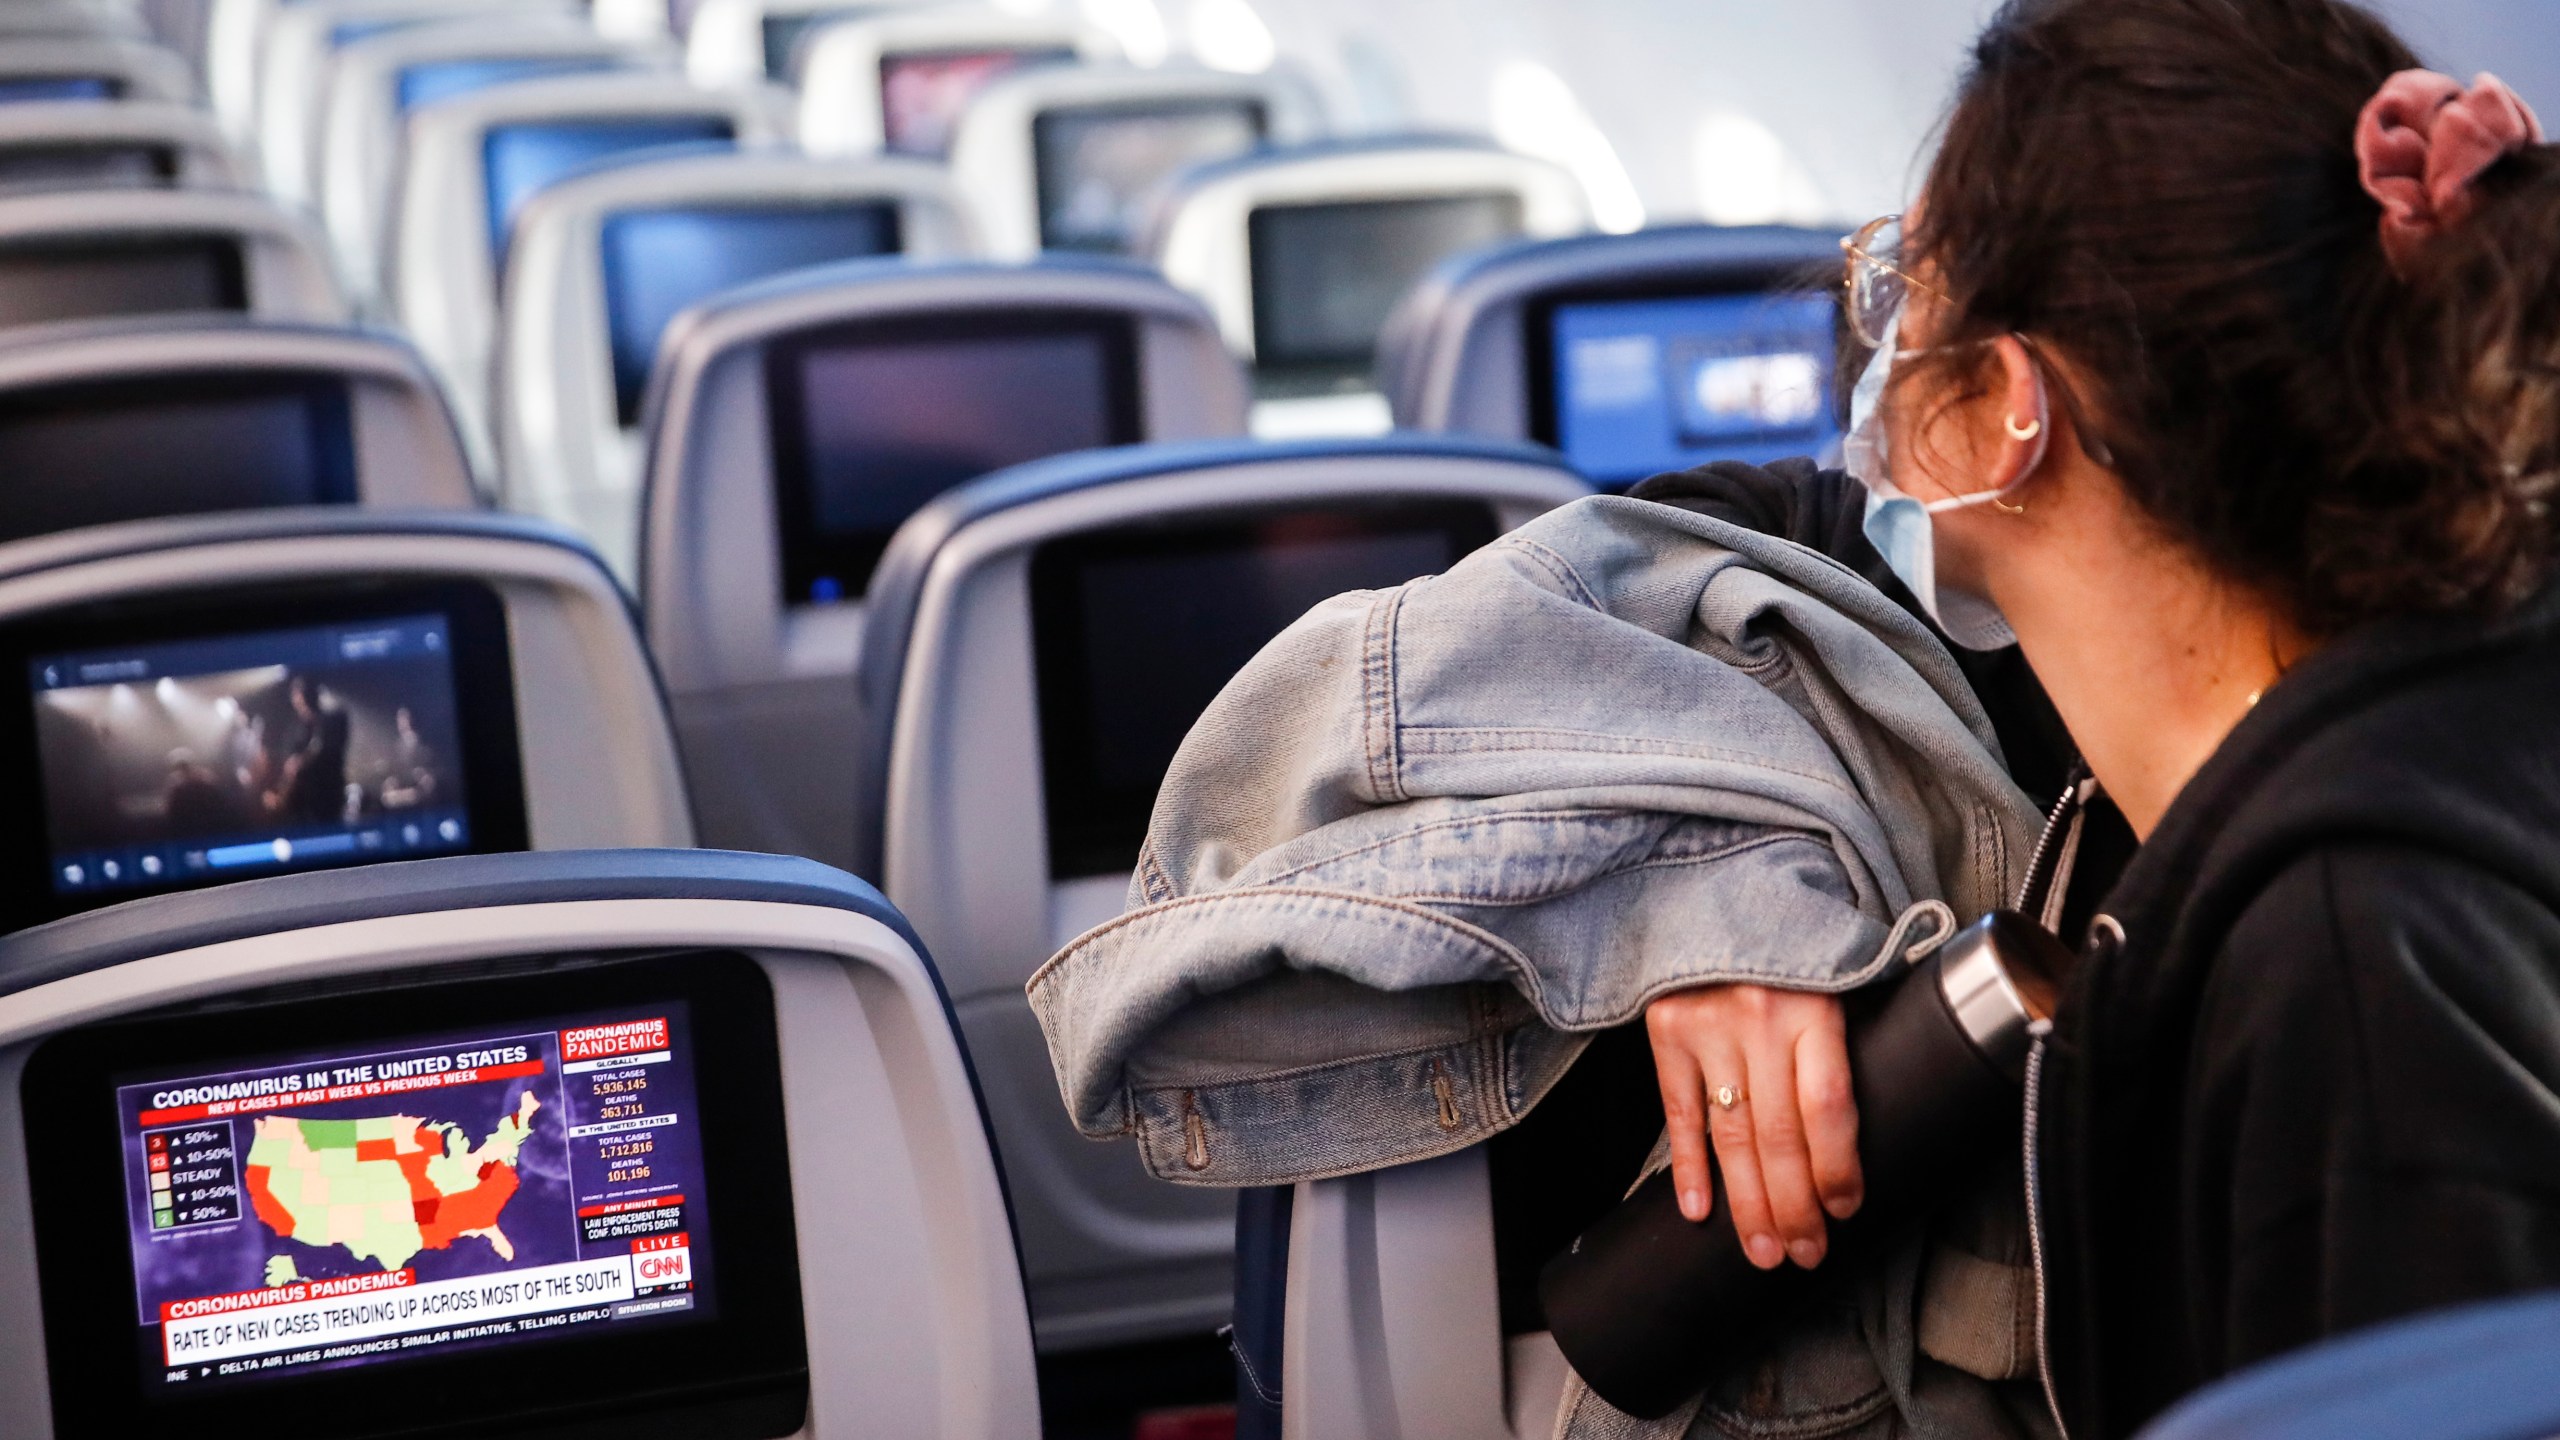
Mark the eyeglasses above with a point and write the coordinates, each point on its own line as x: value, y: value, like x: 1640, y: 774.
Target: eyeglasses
x: 1876, y: 287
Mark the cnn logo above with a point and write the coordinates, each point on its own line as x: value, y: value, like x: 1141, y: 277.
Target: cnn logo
x: 669, y: 1266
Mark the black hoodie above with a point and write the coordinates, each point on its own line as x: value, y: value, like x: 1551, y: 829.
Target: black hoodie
x: 2315, y: 1083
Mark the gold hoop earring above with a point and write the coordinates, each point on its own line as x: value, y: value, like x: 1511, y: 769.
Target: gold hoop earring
x: 2005, y: 508
x: 2028, y: 431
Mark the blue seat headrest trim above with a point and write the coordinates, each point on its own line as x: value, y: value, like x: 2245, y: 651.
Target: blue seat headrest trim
x: 1440, y: 314
x: 2480, y: 1373
x: 897, y: 586
x: 164, y: 924
x: 68, y: 548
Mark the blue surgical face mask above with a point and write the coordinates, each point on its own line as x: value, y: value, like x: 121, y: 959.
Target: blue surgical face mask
x: 1903, y: 529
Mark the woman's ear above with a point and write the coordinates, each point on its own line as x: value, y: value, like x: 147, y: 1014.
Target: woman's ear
x: 2027, y: 419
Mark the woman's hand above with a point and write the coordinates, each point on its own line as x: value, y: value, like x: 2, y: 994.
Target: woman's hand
x: 1763, y: 1076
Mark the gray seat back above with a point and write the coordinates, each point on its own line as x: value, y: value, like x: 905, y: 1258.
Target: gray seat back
x: 925, y: 374
x: 1302, y: 254
x: 83, y: 145
x: 443, y: 256
x: 602, y: 262
x: 815, y: 1241
x: 93, y: 254
x: 125, y: 420
x: 897, y: 82
x: 1635, y: 354
x: 220, y: 697
x: 1070, y: 157
x: 1039, y: 642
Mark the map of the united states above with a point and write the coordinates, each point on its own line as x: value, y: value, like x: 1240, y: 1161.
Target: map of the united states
x: 386, y: 1187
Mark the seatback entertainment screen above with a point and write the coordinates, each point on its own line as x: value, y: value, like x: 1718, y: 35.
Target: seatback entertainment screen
x: 1326, y: 277
x: 137, y: 450
x: 429, y: 81
x: 922, y: 92
x: 783, y: 34
x: 657, y: 263
x: 90, y: 281
x: 1099, y: 165
x: 1638, y: 387
x: 72, y: 165
x: 1136, y: 630
x: 872, y: 421
x: 485, y: 1174
x: 519, y: 160
x: 230, y: 739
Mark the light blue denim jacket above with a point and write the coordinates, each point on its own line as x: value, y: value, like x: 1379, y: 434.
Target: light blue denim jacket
x: 1433, y: 837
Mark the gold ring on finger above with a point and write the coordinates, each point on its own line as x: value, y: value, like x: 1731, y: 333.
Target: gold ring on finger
x: 1728, y: 1096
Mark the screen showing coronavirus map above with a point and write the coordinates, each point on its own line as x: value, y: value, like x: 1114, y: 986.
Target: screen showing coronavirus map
x: 351, y: 1205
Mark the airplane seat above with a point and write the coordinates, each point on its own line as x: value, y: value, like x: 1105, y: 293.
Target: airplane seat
x: 898, y: 82
x: 2477, y: 1372
x: 473, y: 160
x: 375, y: 82
x: 668, y: 1143
x: 1039, y: 644
x: 794, y: 426
x: 128, y: 420
x: 300, y: 56
x: 1633, y: 354
x: 99, y: 253
x: 733, y: 42
x: 1302, y: 254
x: 601, y: 263
x: 213, y: 698
x: 72, y: 19
x: 139, y: 145
x: 91, y: 67
x: 1069, y: 157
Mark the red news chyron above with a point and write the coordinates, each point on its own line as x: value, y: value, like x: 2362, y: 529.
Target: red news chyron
x: 284, y: 1295
x: 603, y: 1042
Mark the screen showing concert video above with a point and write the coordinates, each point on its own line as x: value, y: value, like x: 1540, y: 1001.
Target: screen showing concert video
x: 241, y: 755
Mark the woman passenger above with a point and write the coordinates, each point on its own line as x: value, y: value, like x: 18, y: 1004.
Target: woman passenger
x: 2220, y: 366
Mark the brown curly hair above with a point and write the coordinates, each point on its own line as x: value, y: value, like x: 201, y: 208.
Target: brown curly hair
x: 2166, y: 192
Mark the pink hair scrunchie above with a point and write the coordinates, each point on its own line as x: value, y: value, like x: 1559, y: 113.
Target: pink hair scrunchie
x: 2423, y: 141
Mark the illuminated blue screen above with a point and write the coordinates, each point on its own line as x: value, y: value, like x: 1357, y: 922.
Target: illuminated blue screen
x: 57, y: 87
x: 1646, y: 386
x: 659, y: 262
x: 433, y: 80
x: 348, y: 33
x: 521, y: 159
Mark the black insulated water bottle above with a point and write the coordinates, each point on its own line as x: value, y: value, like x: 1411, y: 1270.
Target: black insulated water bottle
x: 1650, y: 1306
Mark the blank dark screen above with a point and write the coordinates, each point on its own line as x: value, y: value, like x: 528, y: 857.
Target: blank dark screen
x: 94, y: 455
x: 38, y: 284
x: 1137, y: 631
x: 1099, y: 166
x: 1325, y: 277
x: 74, y: 166
x: 657, y: 263
x: 870, y: 430
x: 520, y: 160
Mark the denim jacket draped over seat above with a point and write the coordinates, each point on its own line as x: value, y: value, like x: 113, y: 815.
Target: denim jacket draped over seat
x: 1433, y: 837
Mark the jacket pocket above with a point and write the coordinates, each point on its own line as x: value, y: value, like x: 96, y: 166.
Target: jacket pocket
x: 1821, y: 1384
